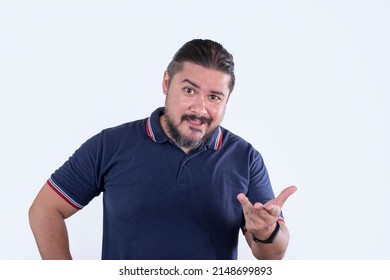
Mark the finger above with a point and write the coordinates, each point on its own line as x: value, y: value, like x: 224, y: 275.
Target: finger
x: 245, y: 203
x: 282, y: 197
x: 273, y: 210
x: 258, y: 206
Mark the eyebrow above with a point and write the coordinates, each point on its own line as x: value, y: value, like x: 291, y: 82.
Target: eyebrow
x: 197, y: 86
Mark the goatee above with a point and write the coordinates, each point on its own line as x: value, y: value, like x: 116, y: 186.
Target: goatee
x: 188, y: 142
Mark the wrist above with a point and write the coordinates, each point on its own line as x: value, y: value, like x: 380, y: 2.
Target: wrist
x: 270, y: 238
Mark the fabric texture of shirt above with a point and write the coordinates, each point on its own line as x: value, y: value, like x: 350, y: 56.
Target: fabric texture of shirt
x: 159, y: 202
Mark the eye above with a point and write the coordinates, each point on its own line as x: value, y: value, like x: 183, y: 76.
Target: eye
x: 214, y: 97
x: 189, y: 91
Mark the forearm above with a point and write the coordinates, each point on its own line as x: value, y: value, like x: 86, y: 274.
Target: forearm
x: 272, y: 251
x: 50, y: 234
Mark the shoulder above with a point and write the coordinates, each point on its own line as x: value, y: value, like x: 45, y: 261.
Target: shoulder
x: 239, y: 148
x: 233, y: 141
x: 129, y: 130
x: 117, y: 136
x: 125, y: 127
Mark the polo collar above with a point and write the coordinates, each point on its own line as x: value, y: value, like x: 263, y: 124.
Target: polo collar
x: 156, y: 133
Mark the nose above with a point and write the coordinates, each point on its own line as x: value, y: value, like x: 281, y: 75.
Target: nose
x: 198, y: 105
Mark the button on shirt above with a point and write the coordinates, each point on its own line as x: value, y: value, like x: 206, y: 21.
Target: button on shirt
x: 159, y: 202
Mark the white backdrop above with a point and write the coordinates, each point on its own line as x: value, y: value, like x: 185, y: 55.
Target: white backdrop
x: 312, y: 96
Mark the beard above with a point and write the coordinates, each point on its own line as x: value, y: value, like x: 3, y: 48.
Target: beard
x: 191, y: 143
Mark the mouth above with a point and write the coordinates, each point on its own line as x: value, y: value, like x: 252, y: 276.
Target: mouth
x: 196, y: 123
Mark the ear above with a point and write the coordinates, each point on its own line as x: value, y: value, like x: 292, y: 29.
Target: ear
x: 165, y: 82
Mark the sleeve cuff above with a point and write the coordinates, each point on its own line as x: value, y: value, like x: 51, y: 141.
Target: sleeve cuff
x: 64, y: 195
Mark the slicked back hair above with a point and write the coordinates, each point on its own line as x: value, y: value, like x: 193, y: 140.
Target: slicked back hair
x: 206, y: 53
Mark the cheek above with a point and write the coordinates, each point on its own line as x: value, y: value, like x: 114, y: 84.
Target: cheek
x: 217, y: 113
x: 176, y: 108
x: 176, y: 101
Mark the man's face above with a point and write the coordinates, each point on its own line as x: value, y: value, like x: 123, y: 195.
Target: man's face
x: 195, y: 104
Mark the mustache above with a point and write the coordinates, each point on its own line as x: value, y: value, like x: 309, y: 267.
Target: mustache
x: 191, y: 117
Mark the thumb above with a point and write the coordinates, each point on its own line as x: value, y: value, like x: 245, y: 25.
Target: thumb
x: 282, y: 197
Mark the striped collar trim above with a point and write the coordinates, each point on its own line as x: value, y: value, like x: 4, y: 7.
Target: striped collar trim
x: 218, y: 140
x: 149, y: 130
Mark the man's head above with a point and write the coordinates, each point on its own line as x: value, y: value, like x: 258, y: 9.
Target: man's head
x: 206, y: 53
x: 197, y: 85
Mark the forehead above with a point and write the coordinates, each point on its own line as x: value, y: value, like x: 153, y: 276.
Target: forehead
x: 204, y: 77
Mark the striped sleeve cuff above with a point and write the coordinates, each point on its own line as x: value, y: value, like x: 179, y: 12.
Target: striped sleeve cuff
x: 63, y: 194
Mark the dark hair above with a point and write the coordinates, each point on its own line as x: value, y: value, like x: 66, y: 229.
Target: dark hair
x: 206, y: 53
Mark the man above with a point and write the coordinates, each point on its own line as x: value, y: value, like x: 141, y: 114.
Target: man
x: 175, y: 185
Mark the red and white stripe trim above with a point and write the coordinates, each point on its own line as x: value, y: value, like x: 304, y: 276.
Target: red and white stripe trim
x: 61, y: 193
x: 218, y: 141
x: 149, y: 130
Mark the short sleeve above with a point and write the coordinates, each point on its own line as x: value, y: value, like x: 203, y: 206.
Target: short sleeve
x: 79, y: 179
x: 260, y: 189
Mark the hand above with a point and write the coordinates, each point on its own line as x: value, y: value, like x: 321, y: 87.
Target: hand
x: 261, y: 219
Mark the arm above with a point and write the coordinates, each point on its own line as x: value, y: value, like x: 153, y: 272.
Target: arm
x: 272, y: 251
x: 47, y: 217
x: 261, y: 222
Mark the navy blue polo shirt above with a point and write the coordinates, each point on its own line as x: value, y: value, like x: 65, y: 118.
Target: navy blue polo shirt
x: 159, y: 202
